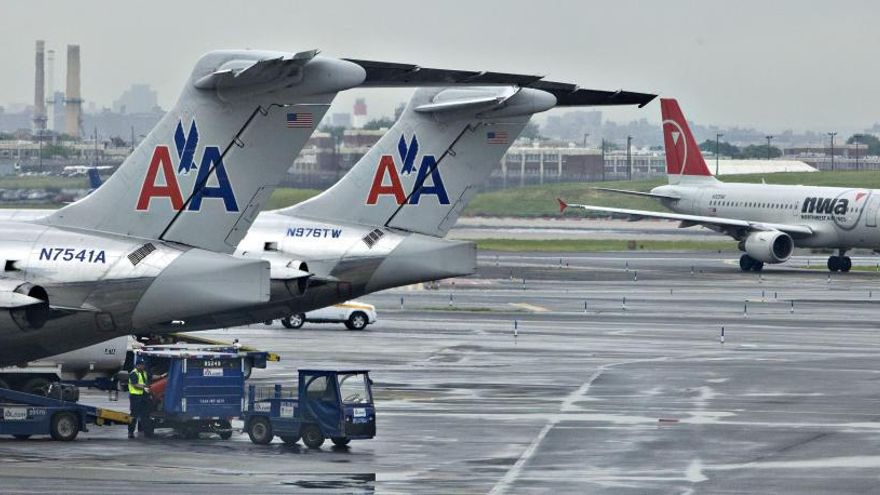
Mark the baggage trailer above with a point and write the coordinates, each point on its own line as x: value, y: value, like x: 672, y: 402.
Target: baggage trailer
x: 25, y: 415
x: 326, y: 404
x: 202, y: 389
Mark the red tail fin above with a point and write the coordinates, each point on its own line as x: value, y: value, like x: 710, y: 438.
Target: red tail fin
x: 683, y: 155
x: 562, y: 205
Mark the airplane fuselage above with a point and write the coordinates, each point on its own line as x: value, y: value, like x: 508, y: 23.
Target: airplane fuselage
x: 96, y: 286
x: 839, y: 217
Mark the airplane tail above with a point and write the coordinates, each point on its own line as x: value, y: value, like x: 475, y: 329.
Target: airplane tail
x: 204, y: 172
x: 427, y: 167
x: 684, y: 161
x: 94, y: 179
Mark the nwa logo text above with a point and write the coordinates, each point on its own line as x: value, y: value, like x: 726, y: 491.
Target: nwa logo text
x: 825, y: 206
x: 393, y: 187
x: 185, y: 146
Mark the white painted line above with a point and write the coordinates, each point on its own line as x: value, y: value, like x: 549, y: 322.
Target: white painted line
x: 530, y: 307
x: 513, y: 473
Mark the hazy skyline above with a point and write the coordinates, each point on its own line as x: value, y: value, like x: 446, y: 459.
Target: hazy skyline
x: 798, y: 65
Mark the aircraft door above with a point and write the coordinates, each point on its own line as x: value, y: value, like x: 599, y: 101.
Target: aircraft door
x: 871, y: 211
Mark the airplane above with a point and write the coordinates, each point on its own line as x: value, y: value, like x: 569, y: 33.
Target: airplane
x: 768, y: 220
x: 152, y: 248
x: 382, y: 225
x: 72, y: 170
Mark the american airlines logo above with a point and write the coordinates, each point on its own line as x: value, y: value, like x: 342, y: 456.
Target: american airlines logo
x: 827, y: 206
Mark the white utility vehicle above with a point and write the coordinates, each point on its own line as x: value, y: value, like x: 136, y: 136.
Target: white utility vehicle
x: 355, y: 316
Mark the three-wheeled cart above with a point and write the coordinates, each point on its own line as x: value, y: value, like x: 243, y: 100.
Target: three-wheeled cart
x: 200, y: 390
x: 24, y: 415
x: 326, y: 404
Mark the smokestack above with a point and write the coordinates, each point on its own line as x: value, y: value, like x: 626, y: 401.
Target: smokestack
x: 50, y: 85
x: 73, y: 98
x: 40, y: 89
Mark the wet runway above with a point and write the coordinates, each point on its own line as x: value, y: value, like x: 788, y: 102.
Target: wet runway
x: 505, y: 383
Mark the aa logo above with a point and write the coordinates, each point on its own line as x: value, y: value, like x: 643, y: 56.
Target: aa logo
x: 387, y: 180
x: 185, y: 144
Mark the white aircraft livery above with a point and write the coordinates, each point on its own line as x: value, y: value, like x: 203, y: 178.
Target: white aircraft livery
x: 769, y: 221
x: 151, y: 251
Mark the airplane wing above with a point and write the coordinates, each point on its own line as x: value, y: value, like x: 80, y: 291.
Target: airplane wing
x: 637, y: 193
x: 717, y: 223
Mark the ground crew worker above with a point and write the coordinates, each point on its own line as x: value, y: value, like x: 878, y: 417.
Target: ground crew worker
x: 139, y: 400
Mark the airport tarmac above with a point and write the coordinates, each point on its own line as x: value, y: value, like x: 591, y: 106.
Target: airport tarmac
x: 536, y: 376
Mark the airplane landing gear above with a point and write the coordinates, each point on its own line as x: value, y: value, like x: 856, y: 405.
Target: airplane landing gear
x: 839, y: 263
x: 747, y: 263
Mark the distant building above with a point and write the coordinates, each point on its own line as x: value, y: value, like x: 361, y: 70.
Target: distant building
x: 360, y: 113
x: 139, y: 98
x: 340, y: 119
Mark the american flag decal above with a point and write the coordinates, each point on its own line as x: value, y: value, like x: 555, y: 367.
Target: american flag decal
x: 300, y: 120
x: 496, y: 137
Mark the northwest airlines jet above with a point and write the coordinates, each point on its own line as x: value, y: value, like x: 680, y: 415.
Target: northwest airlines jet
x: 767, y: 220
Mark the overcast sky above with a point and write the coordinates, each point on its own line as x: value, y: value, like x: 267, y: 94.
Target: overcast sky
x: 773, y: 65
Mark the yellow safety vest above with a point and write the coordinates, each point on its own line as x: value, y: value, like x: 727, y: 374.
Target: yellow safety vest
x: 142, y: 379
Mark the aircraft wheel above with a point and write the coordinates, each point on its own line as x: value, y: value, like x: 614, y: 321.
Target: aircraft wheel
x: 846, y: 264
x: 757, y: 266
x: 745, y: 262
x: 834, y: 263
x: 312, y: 436
x: 260, y: 431
x: 64, y: 426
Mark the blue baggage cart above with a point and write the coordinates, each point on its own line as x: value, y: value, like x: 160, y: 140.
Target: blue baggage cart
x: 202, y: 389
x: 23, y: 415
x: 326, y: 404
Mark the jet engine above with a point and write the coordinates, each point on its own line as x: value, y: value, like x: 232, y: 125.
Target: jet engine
x: 28, y: 304
x: 769, y: 246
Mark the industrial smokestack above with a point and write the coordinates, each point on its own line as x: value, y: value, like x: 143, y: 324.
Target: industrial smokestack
x: 50, y: 85
x: 40, y: 89
x: 73, y: 98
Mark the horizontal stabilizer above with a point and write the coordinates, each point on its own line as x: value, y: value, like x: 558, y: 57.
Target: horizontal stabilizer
x: 637, y: 193
x: 276, y: 72
x: 568, y: 95
x: 466, y: 103
x: 390, y: 74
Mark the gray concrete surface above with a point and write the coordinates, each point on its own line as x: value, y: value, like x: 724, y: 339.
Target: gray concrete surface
x: 641, y: 399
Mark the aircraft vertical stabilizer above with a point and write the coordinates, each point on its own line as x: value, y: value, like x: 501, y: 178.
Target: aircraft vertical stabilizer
x: 208, y: 167
x: 424, y: 171
x: 683, y: 156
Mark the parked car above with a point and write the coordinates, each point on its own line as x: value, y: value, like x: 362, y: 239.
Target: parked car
x: 355, y: 316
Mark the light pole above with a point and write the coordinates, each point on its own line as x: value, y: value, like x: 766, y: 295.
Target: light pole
x: 40, y: 134
x: 856, y: 141
x: 629, y: 163
x: 768, y: 145
x: 718, y: 136
x: 832, y: 134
